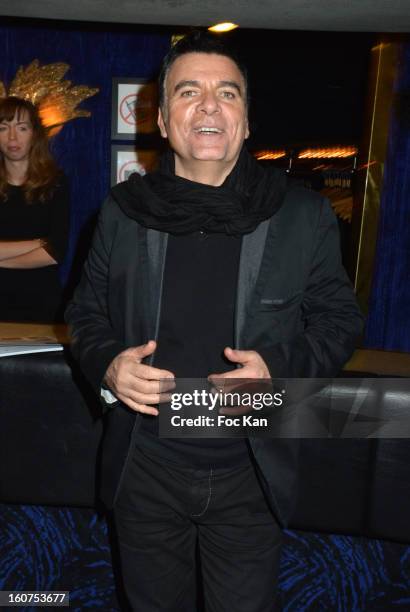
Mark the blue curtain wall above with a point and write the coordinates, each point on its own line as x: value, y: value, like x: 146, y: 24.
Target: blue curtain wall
x: 388, y: 325
x: 96, y: 55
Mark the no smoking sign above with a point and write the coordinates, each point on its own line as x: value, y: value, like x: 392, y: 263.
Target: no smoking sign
x: 137, y: 108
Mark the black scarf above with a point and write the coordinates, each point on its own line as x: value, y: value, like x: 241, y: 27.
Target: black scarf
x: 168, y: 203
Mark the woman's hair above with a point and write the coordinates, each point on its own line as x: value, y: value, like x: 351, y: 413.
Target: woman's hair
x: 42, y: 170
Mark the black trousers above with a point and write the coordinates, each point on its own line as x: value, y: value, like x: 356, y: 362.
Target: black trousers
x: 168, y: 516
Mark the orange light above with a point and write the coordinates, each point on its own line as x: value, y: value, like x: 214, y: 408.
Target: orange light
x: 263, y: 155
x: 53, y: 118
x: 327, y: 153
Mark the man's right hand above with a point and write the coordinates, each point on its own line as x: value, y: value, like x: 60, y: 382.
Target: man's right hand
x: 135, y: 384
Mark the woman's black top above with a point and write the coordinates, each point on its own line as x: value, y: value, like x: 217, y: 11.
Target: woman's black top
x: 34, y: 294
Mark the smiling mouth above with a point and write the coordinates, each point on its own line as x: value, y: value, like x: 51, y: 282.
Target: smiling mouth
x: 208, y: 130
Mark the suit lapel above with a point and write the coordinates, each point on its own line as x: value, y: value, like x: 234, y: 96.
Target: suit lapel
x: 156, y: 246
x: 253, y: 246
x: 144, y: 250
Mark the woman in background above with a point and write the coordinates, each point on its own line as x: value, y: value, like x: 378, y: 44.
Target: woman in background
x: 34, y: 217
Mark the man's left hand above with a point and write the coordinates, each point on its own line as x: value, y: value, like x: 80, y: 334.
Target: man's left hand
x: 253, y: 366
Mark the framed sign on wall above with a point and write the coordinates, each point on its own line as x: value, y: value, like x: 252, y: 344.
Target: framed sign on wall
x: 134, y: 108
x: 126, y: 159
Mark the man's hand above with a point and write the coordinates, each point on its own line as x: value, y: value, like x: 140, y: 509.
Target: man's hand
x: 138, y: 385
x: 253, y: 368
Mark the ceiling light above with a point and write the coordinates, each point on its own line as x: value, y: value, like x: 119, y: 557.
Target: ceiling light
x: 223, y: 27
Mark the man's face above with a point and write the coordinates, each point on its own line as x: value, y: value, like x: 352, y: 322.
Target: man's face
x: 204, y: 115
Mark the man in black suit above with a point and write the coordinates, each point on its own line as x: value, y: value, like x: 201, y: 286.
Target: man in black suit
x: 212, y: 267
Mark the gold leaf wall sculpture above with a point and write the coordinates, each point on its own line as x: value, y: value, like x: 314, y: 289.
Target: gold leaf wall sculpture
x: 56, y: 99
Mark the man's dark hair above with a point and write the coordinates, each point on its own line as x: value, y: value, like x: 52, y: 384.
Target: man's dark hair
x: 199, y: 42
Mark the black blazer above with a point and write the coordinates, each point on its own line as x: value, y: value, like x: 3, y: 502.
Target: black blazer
x: 294, y: 305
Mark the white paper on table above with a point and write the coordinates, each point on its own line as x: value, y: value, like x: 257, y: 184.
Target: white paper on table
x: 23, y: 348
